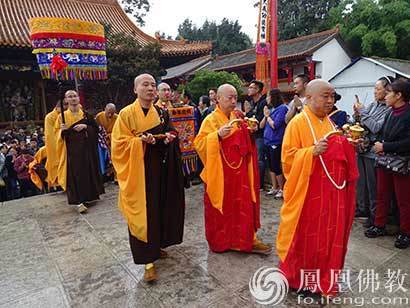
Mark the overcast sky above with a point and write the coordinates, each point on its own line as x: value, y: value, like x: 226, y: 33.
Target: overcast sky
x: 167, y: 15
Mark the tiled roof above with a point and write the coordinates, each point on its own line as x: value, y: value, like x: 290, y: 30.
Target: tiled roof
x: 289, y: 49
x: 14, y: 16
x: 401, y: 66
x: 186, y: 68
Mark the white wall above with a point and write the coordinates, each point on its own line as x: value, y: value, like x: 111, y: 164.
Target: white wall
x: 358, y: 79
x: 332, y: 59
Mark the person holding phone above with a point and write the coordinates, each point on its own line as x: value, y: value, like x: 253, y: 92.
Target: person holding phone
x: 371, y: 118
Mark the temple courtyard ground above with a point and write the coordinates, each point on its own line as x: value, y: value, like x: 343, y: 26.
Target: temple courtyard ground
x: 50, y: 256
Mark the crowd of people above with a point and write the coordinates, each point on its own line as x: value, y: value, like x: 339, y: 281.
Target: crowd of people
x: 18, y: 147
x: 296, y: 151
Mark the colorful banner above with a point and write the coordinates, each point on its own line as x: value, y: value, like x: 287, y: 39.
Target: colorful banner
x: 183, y: 120
x: 263, y: 44
x: 81, y: 44
x: 64, y: 25
x: 263, y: 33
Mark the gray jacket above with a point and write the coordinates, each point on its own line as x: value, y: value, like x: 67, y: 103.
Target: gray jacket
x: 3, y: 170
x: 372, y: 118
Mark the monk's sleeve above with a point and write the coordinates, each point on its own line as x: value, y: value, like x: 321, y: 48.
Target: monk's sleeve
x: 61, y: 154
x: 297, y: 167
x: 48, y: 127
x: 59, y: 139
x: 208, y: 148
x: 99, y: 119
x: 50, y: 130
x: 294, y: 155
x: 169, y: 126
x: 38, y: 158
x: 90, y: 121
x: 128, y: 160
x: 207, y: 139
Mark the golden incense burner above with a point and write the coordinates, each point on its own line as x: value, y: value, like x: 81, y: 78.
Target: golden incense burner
x: 251, y: 122
x: 355, y: 131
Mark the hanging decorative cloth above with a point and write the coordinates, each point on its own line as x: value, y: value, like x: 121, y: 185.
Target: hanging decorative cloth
x: 263, y: 43
x: 183, y: 120
x: 69, y: 49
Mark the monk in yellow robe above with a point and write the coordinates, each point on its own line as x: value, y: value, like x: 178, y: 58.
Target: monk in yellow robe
x: 107, y: 119
x: 230, y: 174
x: 50, y: 135
x: 77, y: 146
x: 147, y: 160
x: 319, y: 196
x: 164, y: 96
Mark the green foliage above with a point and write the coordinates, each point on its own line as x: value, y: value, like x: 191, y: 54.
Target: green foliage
x: 374, y: 27
x: 125, y: 60
x: 205, y: 80
x: 138, y: 9
x: 303, y: 17
x: 226, y: 36
x: 355, y: 37
x: 402, y: 30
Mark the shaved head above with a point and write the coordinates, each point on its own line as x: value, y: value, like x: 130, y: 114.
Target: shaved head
x: 223, y: 89
x: 164, y: 92
x: 227, y: 98
x: 146, y: 89
x: 317, y: 85
x: 163, y: 85
x: 109, y: 110
x: 110, y: 106
x: 321, y: 97
x: 70, y: 93
x: 142, y: 77
x: 71, y: 97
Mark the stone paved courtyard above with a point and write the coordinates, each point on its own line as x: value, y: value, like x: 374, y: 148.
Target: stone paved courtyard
x: 50, y: 256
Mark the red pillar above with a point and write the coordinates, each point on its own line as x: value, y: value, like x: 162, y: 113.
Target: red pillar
x: 289, y: 72
x: 312, y: 69
x: 274, y: 43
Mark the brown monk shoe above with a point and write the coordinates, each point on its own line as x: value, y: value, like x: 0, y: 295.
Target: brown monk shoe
x: 150, y: 275
x: 163, y: 254
x: 261, y: 248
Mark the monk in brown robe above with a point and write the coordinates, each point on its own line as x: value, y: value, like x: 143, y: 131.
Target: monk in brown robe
x: 147, y: 159
x: 77, y: 147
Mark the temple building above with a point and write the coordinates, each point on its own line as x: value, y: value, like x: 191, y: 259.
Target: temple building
x: 24, y: 96
x: 319, y: 55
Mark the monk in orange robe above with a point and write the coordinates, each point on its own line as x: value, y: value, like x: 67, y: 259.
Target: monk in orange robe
x: 50, y: 134
x: 319, y: 196
x: 107, y: 120
x: 231, y: 177
x: 147, y: 159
